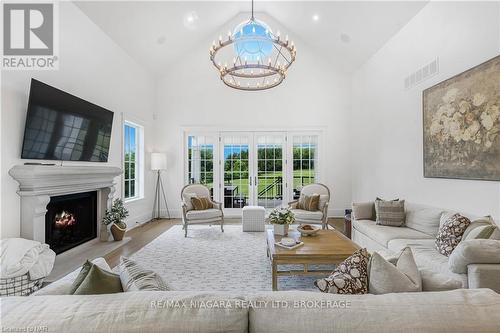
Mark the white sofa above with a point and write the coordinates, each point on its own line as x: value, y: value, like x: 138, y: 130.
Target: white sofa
x: 463, y: 310
x: 419, y: 233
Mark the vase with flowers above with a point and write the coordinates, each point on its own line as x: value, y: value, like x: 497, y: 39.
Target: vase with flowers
x: 281, y: 218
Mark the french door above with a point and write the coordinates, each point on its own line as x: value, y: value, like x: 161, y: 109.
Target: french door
x: 265, y: 169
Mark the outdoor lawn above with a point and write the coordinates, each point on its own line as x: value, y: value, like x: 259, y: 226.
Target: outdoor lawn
x: 268, y: 178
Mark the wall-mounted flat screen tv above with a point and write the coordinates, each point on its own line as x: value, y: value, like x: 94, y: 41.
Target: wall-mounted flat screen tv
x: 60, y: 126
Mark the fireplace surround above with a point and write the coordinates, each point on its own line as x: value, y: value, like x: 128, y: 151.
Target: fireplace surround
x: 40, y: 184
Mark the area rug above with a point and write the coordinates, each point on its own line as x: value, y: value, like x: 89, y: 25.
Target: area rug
x: 210, y: 260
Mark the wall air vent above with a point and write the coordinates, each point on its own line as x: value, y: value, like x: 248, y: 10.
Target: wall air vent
x: 422, y: 74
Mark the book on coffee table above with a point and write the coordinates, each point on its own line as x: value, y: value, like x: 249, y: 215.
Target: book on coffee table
x: 291, y: 247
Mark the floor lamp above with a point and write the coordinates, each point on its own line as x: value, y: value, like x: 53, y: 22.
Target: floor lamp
x: 159, y: 163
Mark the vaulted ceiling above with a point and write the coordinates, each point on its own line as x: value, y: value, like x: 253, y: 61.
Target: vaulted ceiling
x: 158, y: 33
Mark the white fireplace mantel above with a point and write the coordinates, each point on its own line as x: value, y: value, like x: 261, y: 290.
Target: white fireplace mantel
x: 37, y: 183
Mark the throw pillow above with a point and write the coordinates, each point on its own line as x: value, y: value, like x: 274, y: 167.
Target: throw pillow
x: 350, y: 277
x: 390, y: 213
x: 479, y: 222
x: 201, y: 203
x: 364, y: 210
x: 81, y: 276
x: 377, y: 198
x: 186, y: 197
x: 96, y: 281
x: 450, y: 233
x: 133, y: 277
x: 323, y: 200
x: 401, y: 275
x: 481, y: 232
x: 308, y: 202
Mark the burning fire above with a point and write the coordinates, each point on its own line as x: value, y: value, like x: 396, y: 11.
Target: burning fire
x: 64, y: 220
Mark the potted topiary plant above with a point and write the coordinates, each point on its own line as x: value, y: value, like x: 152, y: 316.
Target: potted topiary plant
x: 281, y: 218
x: 115, y: 217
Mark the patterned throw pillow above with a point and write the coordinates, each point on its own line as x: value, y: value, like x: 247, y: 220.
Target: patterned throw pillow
x: 134, y: 278
x: 450, y: 233
x: 350, y: 277
x: 309, y: 202
x: 390, y: 213
x: 201, y: 203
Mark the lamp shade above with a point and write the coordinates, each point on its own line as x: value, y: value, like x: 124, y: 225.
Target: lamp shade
x: 158, y: 161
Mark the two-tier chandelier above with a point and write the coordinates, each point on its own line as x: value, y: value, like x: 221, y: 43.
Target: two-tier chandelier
x: 252, y: 57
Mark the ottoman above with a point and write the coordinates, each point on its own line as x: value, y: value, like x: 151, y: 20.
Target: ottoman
x: 253, y: 218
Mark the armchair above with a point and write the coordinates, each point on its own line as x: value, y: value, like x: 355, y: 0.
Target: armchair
x: 313, y: 217
x: 191, y: 216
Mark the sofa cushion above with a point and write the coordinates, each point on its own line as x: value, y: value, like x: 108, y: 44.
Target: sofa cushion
x: 400, y: 275
x: 383, y: 234
x: 423, y: 218
x: 144, y: 311
x: 203, y: 214
x: 302, y: 214
x: 390, y: 213
x: 432, y: 265
x: 439, y: 312
x: 396, y: 245
x: 450, y: 233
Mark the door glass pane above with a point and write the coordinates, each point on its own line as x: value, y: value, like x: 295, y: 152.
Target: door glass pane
x: 236, y: 171
x: 270, y: 170
x: 201, y: 161
x: 305, y: 158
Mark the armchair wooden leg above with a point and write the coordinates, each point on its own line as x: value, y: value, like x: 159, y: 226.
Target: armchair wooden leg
x: 222, y: 225
x: 185, y: 230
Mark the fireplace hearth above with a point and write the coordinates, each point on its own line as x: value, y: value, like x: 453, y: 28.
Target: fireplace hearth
x: 71, y: 220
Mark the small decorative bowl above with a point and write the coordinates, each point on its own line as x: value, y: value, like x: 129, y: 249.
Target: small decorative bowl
x: 288, y: 241
x: 308, y: 232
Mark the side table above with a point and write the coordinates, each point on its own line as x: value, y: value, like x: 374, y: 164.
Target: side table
x: 347, y: 225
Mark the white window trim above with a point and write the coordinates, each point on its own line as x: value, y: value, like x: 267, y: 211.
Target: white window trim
x: 218, y: 132
x: 139, y: 161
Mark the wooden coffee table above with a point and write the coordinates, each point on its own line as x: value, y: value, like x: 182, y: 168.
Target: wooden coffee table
x: 327, y: 247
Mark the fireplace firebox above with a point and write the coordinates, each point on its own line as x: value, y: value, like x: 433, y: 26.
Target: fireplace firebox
x: 71, y: 220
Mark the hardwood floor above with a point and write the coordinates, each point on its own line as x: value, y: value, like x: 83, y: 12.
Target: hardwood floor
x: 146, y: 233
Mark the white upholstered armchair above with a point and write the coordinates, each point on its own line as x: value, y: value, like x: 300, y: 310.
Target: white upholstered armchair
x: 313, y: 217
x: 191, y: 216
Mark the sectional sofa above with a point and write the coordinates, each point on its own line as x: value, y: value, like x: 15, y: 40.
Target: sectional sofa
x: 419, y: 233
x: 51, y: 309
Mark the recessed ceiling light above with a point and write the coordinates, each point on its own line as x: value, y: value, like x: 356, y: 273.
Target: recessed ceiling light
x: 190, y: 20
x: 345, y: 38
x: 315, y: 17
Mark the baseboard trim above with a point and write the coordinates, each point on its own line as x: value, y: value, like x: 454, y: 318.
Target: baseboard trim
x: 177, y: 214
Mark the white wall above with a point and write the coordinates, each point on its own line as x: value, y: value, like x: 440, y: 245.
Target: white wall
x: 387, y: 119
x: 94, y: 68
x: 312, y: 95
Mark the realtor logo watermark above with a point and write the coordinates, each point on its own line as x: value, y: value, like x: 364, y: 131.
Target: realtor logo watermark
x: 30, y: 39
